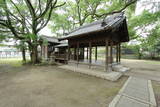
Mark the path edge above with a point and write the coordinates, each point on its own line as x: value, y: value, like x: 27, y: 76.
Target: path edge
x: 151, y: 93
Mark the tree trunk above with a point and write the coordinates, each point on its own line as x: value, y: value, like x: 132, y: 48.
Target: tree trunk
x: 139, y: 55
x: 24, y: 55
x: 34, y: 55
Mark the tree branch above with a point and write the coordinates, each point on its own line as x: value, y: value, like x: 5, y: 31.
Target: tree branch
x: 19, y: 13
x: 9, y: 23
x: 49, y: 16
x: 60, y: 5
x: 49, y: 2
x: 117, y: 11
x: 30, y: 7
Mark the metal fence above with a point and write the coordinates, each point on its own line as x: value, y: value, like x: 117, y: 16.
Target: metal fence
x: 12, y: 54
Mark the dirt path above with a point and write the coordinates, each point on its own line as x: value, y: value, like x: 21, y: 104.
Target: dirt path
x: 53, y: 87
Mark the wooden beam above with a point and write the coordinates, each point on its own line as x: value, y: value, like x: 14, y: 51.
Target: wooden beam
x: 106, y: 55
x: 90, y: 54
x: 96, y: 53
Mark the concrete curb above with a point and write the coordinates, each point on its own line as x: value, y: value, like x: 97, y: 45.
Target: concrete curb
x: 151, y: 93
x: 119, y: 95
x: 150, y: 103
x: 124, y: 86
x: 115, y: 101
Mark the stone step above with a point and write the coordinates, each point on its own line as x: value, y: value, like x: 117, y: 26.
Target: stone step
x: 120, y: 68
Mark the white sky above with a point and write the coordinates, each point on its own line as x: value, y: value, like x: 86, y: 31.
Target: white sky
x: 149, y: 5
x: 46, y: 31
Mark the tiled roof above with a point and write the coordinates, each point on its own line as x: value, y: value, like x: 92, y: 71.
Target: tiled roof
x: 108, y: 23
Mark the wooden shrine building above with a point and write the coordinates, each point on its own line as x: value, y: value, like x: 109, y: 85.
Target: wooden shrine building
x: 49, y: 47
x: 60, y: 54
x: 109, y: 32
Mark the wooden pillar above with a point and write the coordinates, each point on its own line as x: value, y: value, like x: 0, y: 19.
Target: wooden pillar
x: 87, y: 52
x: 106, y: 55
x: 96, y: 53
x: 83, y: 52
x: 46, y: 52
x: 77, y: 53
x: 68, y: 56
x: 41, y: 51
x: 90, y: 54
x: 119, y: 53
x: 74, y: 56
x: 111, y: 51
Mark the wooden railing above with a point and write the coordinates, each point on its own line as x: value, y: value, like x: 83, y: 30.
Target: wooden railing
x: 61, y: 56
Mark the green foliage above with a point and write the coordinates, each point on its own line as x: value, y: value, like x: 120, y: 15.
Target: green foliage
x: 152, y: 42
x: 79, y: 12
x: 2, y: 37
x: 21, y: 45
x: 30, y: 36
x: 140, y: 22
x: 45, y: 42
x: 144, y: 19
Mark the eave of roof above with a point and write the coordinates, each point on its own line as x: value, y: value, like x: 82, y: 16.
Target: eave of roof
x: 50, y: 39
x: 62, y: 45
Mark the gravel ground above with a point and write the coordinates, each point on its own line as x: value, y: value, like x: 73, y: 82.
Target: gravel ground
x: 143, y: 68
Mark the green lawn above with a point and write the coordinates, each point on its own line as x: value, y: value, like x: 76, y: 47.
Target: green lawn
x: 11, y: 61
x: 151, y: 62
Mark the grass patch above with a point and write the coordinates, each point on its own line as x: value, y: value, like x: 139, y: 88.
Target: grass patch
x: 152, y: 62
x: 156, y: 86
x: 132, y: 56
x: 16, y: 62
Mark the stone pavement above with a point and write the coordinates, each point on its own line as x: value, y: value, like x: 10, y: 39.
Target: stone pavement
x: 136, y: 92
x: 112, y: 76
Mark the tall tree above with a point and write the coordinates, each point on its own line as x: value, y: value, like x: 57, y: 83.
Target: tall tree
x: 26, y: 18
x: 79, y: 12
